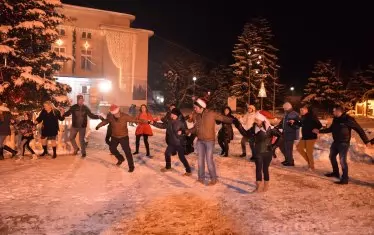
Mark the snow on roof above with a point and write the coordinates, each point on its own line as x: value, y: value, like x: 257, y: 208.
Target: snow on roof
x: 36, y: 11
x: 67, y: 6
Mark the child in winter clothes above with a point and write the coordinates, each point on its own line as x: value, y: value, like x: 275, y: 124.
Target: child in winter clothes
x: 175, y: 139
x: 26, y: 127
x: 5, y: 122
x: 262, y: 134
x: 226, y: 133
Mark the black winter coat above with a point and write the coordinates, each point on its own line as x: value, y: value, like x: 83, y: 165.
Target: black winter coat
x: 226, y: 132
x: 308, y: 122
x: 172, y: 127
x: 341, y: 129
x: 5, y: 118
x: 79, y: 115
x: 263, y: 140
x: 50, y: 122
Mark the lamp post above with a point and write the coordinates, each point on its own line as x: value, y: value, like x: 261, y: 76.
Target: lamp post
x: 194, y: 84
x: 249, y: 76
x: 292, y: 90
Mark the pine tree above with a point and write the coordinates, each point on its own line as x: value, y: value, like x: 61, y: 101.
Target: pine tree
x: 254, y: 55
x: 358, y: 84
x: 27, y: 31
x: 324, y: 89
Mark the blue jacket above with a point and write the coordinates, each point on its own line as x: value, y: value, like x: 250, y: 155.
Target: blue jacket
x: 290, y: 132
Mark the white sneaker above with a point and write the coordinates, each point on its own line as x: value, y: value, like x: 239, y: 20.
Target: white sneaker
x: 34, y: 157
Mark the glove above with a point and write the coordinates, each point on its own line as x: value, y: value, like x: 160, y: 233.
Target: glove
x: 97, y: 128
x: 101, y: 118
x: 236, y: 122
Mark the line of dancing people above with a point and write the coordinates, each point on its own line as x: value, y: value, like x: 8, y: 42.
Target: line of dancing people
x: 255, y: 127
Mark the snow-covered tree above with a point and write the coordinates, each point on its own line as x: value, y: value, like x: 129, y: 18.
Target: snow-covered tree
x: 179, y: 86
x: 28, y: 28
x: 358, y: 84
x: 324, y: 89
x: 255, y: 61
x: 217, y: 83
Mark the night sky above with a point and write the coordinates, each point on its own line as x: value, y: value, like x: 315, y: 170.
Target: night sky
x: 304, y: 32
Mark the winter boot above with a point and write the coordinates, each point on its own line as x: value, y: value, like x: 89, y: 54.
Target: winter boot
x: 34, y: 157
x: 259, y: 187
x: 75, y: 152
x: 13, y: 152
x: 266, y: 186
x: 1, y: 154
x: 54, y: 152
x: 213, y: 182
x: 45, y: 151
x: 165, y: 169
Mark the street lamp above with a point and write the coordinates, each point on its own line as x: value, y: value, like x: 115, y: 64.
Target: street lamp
x: 194, y: 84
x: 249, y: 76
x: 292, y: 90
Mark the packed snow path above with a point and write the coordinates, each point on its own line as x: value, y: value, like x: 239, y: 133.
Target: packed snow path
x: 70, y: 195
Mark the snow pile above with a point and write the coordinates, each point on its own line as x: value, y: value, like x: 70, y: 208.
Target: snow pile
x: 36, y: 11
x: 53, y: 2
x: 61, y: 98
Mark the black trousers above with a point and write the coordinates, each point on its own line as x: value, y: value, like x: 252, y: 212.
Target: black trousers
x: 180, y: 150
x: 262, y: 162
x: 189, y: 144
x: 26, y: 144
x: 108, y: 135
x: 137, y: 143
x: 224, y: 144
x: 124, y: 142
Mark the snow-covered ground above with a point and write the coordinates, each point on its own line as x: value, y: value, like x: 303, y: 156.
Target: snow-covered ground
x: 70, y: 195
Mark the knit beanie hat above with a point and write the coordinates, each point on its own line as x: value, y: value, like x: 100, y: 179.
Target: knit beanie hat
x: 176, y: 112
x: 200, y: 103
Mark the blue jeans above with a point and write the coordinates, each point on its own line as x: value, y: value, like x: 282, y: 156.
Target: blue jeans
x: 82, y: 134
x: 205, y: 153
x: 342, y: 150
x: 286, y: 147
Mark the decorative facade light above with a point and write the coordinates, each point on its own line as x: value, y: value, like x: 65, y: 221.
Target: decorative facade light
x: 59, y: 42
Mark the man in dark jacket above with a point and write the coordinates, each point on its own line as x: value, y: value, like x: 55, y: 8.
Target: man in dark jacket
x: 341, y: 129
x: 289, y: 135
x: 175, y: 139
x: 310, y: 126
x: 79, y: 114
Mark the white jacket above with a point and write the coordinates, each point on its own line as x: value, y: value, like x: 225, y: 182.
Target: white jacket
x: 247, y: 120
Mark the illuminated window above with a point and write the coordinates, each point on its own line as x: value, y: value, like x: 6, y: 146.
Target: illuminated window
x: 86, y: 60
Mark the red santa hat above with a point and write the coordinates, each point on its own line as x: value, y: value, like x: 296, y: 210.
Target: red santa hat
x: 114, y: 109
x: 200, y: 103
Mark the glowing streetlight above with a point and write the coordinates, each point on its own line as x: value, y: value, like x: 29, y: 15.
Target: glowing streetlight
x: 249, y: 52
x: 258, y: 62
x: 162, y: 100
x: 255, y: 49
x: 208, y: 92
x: 292, y: 90
x: 194, y: 84
x: 259, y: 57
x: 256, y: 71
x: 105, y: 86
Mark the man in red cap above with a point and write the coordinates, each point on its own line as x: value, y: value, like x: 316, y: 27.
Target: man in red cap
x: 120, y: 134
x: 79, y: 113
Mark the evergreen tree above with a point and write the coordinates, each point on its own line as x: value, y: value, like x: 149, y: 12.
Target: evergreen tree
x: 324, y: 89
x: 358, y: 84
x: 255, y: 60
x: 27, y: 31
